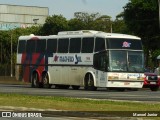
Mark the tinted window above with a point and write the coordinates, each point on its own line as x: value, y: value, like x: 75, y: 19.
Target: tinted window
x: 75, y: 45
x: 31, y: 45
x: 63, y: 45
x: 87, y: 45
x: 119, y: 43
x: 100, y: 61
x: 52, y: 45
x: 99, y: 44
x: 22, y: 46
x: 41, y: 46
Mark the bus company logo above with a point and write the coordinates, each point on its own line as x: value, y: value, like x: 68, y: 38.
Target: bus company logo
x: 75, y: 59
x: 55, y: 58
x: 126, y: 44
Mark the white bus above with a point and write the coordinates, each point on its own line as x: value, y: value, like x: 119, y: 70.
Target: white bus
x: 84, y: 58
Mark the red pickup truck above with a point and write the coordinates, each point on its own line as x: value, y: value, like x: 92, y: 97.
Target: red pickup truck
x: 151, y: 81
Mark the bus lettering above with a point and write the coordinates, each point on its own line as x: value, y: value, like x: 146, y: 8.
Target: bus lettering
x: 66, y: 59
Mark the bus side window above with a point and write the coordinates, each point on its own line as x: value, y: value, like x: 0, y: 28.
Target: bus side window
x: 63, y: 45
x: 75, y: 45
x: 31, y: 45
x: 51, y: 45
x: 99, y: 44
x: 87, y: 45
x: 41, y: 46
x: 22, y: 46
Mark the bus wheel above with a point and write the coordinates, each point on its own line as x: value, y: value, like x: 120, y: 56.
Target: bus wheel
x: 89, y: 83
x: 75, y: 87
x: 45, y: 81
x: 154, y: 88
x: 35, y: 81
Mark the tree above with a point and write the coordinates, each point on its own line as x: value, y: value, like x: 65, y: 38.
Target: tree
x: 76, y: 24
x: 54, y: 24
x: 87, y: 19
x: 103, y: 23
x: 93, y: 21
x: 119, y: 25
x: 5, y: 46
x: 141, y: 18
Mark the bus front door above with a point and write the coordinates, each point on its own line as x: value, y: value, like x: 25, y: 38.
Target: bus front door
x: 101, y: 78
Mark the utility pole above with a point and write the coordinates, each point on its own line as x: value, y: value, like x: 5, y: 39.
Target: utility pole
x: 159, y: 12
x: 11, y: 54
x: 111, y: 26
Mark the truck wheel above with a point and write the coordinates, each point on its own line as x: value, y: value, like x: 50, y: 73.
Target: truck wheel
x: 89, y: 83
x: 154, y: 88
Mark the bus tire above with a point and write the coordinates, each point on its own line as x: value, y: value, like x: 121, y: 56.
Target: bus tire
x: 89, y: 83
x: 35, y: 81
x: 75, y: 87
x: 154, y: 88
x: 45, y: 81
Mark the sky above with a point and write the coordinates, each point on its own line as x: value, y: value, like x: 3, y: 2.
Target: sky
x: 67, y: 8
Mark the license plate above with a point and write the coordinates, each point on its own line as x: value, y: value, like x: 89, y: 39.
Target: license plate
x: 152, y: 82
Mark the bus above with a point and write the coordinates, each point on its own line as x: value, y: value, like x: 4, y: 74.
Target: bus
x: 84, y: 58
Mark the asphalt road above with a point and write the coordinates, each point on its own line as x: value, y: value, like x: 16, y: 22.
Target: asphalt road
x: 141, y: 95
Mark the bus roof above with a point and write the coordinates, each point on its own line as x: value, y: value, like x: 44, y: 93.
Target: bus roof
x: 80, y: 33
x: 97, y: 33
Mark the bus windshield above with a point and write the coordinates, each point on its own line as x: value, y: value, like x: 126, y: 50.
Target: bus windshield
x: 126, y: 61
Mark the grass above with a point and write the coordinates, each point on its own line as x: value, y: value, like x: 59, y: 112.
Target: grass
x: 94, y: 108
x: 73, y: 104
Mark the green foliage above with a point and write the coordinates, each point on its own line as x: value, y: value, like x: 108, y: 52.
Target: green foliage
x: 74, y: 104
x: 83, y: 21
x: 54, y: 24
x: 76, y: 24
x: 119, y: 25
x: 86, y: 17
x: 5, y: 45
x: 141, y: 18
x: 93, y: 21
